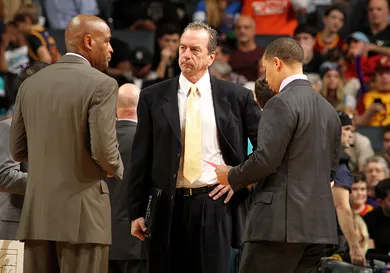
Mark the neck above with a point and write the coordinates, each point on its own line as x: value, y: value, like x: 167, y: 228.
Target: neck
x: 376, y: 28
x: 247, y: 46
x: 196, y: 77
x: 358, y: 208
x: 126, y: 114
x: 327, y: 35
x: 79, y: 52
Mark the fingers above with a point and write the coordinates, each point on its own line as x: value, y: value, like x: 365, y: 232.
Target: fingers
x: 216, y: 190
x: 224, y: 190
x: 230, y: 194
x: 138, y: 228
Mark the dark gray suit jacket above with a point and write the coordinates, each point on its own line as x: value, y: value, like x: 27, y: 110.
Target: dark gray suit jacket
x: 12, y: 186
x: 124, y: 245
x: 296, y: 158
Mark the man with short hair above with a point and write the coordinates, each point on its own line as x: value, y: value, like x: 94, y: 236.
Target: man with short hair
x: 245, y: 58
x: 292, y: 216
x: 64, y: 126
x: 127, y: 253
x: 379, y: 28
x: 186, y: 125
x: 375, y: 170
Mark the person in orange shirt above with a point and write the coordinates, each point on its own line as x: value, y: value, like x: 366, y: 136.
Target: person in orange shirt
x: 272, y: 17
x: 329, y: 38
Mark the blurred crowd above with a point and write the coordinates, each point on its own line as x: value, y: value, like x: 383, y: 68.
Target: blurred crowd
x: 347, y: 60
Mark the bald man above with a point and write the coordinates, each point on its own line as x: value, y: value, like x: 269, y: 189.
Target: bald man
x: 127, y: 253
x: 68, y: 110
x: 244, y: 60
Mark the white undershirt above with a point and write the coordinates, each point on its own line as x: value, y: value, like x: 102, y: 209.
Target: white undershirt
x: 211, y: 150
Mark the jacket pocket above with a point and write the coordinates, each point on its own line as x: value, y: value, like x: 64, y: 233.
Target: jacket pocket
x: 263, y: 197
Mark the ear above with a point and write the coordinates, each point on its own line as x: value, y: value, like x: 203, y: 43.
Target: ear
x: 88, y: 41
x: 278, y: 64
x: 212, y: 58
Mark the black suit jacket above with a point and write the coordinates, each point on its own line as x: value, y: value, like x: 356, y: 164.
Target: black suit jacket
x: 158, y: 146
x: 124, y: 245
x: 296, y: 158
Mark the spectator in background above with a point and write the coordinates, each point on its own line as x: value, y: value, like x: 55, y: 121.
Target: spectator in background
x: 119, y: 64
x: 374, y: 106
x: 376, y: 169
x: 332, y: 83
x: 141, y: 73
x: 13, y: 50
x: 378, y: 220
x: 305, y: 36
x: 223, y: 71
x: 263, y: 93
x: 360, y: 149
x: 245, y: 58
x: 329, y: 38
x: 165, y: 61
x: 8, y: 9
x: 59, y: 12
x: 315, y: 81
x: 42, y: 47
x: 358, y: 195
x: 386, y: 145
x: 379, y: 28
x: 272, y: 17
x: 219, y: 14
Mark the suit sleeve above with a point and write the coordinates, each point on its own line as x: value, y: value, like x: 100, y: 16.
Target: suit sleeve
x: 18, y: 138
x: 336, y: 153
x: 101, y: 118
x: 252, y: 117
x: 275, y: 131
x: 141, y: 159
x: 12, y: 180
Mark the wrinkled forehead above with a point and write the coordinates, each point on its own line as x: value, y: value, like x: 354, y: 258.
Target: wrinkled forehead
x: 195, y: 38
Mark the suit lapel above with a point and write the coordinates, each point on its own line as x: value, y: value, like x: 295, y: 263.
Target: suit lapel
x: 171, y: 107
x: 221, y: 107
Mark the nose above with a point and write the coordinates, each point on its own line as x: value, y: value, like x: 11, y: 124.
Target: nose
x: 187, y: 53
x: 110, y: 49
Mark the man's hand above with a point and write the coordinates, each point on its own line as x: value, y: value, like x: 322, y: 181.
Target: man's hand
x: 138, y: 228
x: 222, y: 174
x: 221, y: 190
x: 357, y: 255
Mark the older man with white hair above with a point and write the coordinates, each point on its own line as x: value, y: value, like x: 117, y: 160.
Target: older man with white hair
x: 375, y: 169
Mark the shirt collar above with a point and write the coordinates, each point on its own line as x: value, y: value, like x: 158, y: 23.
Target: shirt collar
x: 77, y: 55
x: 291, y: 78
x: 128, y: 119
x: 203, y: 84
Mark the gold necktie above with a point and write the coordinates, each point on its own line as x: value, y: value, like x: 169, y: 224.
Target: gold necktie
x: 192, y: 168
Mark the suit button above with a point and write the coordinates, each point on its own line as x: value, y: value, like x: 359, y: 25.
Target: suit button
x: 174, y: 176
x: 178, y: 155
x: 172, y: 197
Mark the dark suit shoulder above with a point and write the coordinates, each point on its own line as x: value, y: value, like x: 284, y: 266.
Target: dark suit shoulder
x: 160, y: 87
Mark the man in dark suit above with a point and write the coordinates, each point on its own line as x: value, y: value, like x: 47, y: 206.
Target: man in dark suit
x: 292, y: 216
x: 182, y: 123
x: 13, y: 176
x: 127, y: 253
x: 64, y: 126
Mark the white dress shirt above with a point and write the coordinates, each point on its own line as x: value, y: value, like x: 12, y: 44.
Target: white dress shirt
x: 77, y: 55
x: 290, y: 79
x: 211, y: 150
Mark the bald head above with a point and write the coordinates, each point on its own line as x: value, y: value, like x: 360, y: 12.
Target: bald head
x: 89, y: 36
x: 128, y: 95
x: 245, y: 29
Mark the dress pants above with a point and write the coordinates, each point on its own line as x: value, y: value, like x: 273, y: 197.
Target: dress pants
x: 127, y: 266
x: 200, y: 235
x: 267, y: 257
x: 61, y: 257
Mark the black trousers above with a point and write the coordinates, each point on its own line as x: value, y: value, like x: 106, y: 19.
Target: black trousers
x: 273, y: 257
x: 127, y: 266
x: 200, y: 235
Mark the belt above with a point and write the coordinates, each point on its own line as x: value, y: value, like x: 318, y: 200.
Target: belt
x: 194, y: 191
